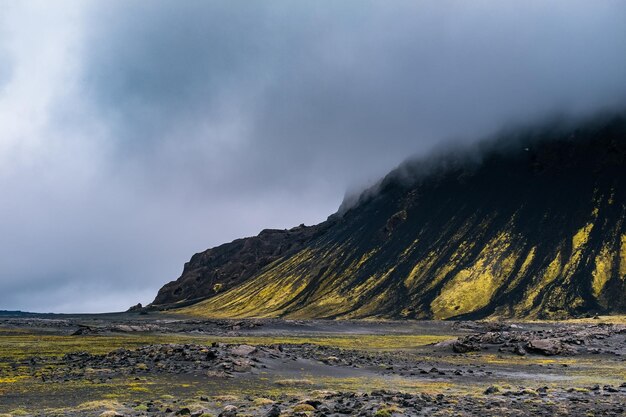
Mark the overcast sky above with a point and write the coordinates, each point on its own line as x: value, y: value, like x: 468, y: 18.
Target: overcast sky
x: 136, y: 133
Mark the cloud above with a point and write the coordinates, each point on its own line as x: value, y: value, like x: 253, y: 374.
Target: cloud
x: 132, y: 135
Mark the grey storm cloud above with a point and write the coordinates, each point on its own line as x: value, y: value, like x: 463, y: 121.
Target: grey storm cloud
x: 136, y: 133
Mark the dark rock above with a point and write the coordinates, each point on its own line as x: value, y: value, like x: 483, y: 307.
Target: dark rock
x: 519, y: 350
x: 136, y: 307
x: 229, y: 411
x: 465, y: 347
x: 492, y: 390
x: 273, y: 412
x: 313, y: 403
x: 548, y: 347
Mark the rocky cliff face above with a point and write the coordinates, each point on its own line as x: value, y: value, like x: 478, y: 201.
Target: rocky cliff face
x: 221, y: 268
x: 533, y: 228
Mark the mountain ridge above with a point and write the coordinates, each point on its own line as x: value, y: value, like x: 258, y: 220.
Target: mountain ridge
x: 530, y: 227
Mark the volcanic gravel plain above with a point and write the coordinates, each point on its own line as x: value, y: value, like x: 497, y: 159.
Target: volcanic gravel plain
x: 169, y: 365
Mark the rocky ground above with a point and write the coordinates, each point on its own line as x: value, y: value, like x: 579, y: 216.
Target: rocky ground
x: 377, y: 404
x: 134, y: 365
x: 558, y: 340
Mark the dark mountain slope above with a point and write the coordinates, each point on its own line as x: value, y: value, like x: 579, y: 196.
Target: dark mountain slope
x: 531, y: 229
x: 221, y: 268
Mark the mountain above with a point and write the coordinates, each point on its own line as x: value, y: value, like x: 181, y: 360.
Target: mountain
x: 530, y: 224
x: 221, y: 268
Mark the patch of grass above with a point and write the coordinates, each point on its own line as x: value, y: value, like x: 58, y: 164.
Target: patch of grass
x: 101, y: 404
x: 261, y: 401
x: 15, y: 347
x: 382, y: 413
x: 11, y: 380
x: 365, y: 342
x: 303, y: 408
x: 225, y: 398
x: 293, y: 382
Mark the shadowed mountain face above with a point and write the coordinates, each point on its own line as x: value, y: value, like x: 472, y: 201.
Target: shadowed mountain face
x: 219, y: 269
x: 532, y: 229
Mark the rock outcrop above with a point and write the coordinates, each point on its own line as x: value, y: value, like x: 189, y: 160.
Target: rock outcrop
x: 221, y: 268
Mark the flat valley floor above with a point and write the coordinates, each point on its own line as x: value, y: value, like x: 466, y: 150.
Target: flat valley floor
x: 168, y: 365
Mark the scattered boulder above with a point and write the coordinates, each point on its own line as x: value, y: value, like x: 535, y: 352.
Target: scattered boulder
x: 564, y: 340
x: 273, y: 412
x: 519, y: 350
x: 82, y: 330
x: 492, y: 390
x: 229, y: 411
x: 547, y: 347
x: 243, y: 350
x: 462, y: 346
x: 301, y: 408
